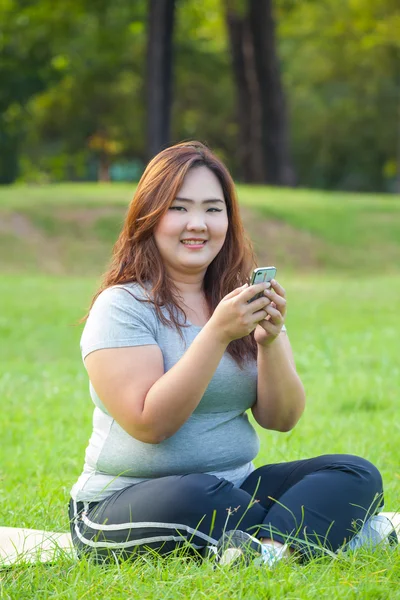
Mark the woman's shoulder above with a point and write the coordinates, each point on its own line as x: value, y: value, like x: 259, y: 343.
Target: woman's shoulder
x: 118, y: 319
x: 126, y: 296
x: 124, y: 290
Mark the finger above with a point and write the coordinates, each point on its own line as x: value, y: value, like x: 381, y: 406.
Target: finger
x: 277, y: 299
x: 268, y: 326
x: 258, y: 304
x: 254, y: 290
x: 276, y: 316
x: 260, y: 315
x: 278, y: 288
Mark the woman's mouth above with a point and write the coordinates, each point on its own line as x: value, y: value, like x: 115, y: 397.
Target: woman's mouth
x: 194, y: 244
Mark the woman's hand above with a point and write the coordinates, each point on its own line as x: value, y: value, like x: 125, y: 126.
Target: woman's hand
x: 235, y: 316
x: 269, y: 328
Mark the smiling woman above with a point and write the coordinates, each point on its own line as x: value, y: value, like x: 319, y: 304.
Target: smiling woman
x: 177, y: 351
x: 197, y: 220
x: 185, y: 194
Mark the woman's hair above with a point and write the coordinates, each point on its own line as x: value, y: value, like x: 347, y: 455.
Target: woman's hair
x: 136, y: 257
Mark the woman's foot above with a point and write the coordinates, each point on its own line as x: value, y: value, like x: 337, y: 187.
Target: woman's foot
x: 237, y: 548
x: 377, y: 530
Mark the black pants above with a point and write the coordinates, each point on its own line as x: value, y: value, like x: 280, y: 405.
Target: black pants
x: 311, y: 504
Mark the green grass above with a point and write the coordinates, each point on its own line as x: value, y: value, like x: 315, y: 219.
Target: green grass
x: 350, y: 233
x: 345, y: 340
x: 337, y: 217
x: 343, y: 322
x: 19, y: 197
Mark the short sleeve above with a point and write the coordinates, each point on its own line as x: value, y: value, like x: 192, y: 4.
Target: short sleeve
x: 118, y: 320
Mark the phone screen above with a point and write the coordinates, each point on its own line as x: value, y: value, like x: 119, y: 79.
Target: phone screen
x: 259, y: 275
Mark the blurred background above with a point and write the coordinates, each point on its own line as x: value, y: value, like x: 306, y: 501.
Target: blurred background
x: 301, y: 99
x: 287, y: 92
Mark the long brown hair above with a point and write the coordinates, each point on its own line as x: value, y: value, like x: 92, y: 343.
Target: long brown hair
x: 136, y: 257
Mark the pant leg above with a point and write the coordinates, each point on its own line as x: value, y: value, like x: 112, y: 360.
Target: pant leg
x: 162, y: 514
x: 319, y: 501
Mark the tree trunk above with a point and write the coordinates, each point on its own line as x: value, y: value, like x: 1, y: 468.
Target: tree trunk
x: 9, y: 155
x: 397, y: 181
x: 274, y: 125
x: 247, y: 95
x: 159, y: 74
x: 103, y: 173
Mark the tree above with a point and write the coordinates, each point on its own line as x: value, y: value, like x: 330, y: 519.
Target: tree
x: 73, y: 99
x: 93, y: 112
x: 250, y: 156
x: 342, y: 75
x: 274, y: 124
x: 159, y: 74
x: 261, y: 111
x: 26, y: 44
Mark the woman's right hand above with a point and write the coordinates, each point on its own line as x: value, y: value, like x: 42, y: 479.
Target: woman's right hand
x: 235, y: 317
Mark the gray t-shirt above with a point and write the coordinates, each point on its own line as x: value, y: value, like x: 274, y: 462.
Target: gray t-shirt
x: 217, y: 438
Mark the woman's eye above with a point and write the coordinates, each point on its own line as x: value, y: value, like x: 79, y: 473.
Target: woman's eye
x: 183, y: 208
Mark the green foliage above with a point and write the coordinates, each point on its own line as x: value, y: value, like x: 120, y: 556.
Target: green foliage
x: 96, y: 107
x: 204, y: 102
x: 31, y: 35
x: 73, y: 87
x: 341, y: 66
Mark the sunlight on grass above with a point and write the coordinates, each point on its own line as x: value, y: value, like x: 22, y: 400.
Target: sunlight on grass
x: 343, y: 323
x: 80, y: 222
x: 346, y: 349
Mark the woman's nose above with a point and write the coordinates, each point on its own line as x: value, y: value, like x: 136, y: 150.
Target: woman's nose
x: 196, y: 222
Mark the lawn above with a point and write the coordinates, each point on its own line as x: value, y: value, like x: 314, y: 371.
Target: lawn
x: 345, y: 339
x: 69, y: 228
x: 344, y: 332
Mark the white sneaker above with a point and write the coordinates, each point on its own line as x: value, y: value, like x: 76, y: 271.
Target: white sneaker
x: 377, y: 530
x: 237, y: 547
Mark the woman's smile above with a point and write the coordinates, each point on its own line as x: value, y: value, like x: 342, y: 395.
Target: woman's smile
x: 194, y: 244
x: 197, y: 219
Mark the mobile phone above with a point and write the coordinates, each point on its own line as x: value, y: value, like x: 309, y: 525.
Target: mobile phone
x: 259, y: 275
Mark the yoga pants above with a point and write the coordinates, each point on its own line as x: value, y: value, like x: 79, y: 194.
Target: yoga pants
x: 315, y: 505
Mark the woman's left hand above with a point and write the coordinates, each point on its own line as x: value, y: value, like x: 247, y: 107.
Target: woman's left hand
x: 270, y: 327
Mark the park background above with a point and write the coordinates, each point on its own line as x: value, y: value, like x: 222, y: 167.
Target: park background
x: 302, y: 101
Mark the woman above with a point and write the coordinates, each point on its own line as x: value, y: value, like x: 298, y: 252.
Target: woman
x: 176, y: 354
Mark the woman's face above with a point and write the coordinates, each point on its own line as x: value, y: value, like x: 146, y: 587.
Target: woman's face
x: 197, y: 214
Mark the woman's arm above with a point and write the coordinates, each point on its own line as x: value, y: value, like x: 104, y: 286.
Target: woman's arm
x: 149, y: 404
x: 280, y: 392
